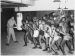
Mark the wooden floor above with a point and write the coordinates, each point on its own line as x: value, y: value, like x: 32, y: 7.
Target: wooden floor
x: 18, y: 49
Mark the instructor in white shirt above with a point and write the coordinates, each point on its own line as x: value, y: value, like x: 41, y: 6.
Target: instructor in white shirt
x: 10, y: 31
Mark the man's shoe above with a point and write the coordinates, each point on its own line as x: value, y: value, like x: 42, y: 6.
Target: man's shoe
x: 56, y: 53
x: 25, y: 45
x: 45, y: 49
x: 70, y: 52
x: 40, y: 47
x: 64, y: 53
x: 37, y: 44
x: 7, y: 44
x: 34, y: 47
x: 72, y: 49
x: 15, y: 41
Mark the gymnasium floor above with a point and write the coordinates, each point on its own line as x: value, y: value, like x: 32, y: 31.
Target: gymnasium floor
x: 18, y: 49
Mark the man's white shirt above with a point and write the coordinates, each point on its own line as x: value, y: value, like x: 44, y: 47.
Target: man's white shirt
x: 10, y: 23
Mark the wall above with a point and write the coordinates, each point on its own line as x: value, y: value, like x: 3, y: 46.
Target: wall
x: 5, y: 15
x: 42, y: 13
x: 29, y: 13
x: 48, y: 5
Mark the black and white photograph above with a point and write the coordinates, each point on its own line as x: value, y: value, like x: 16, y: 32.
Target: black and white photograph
x: 37, y: 27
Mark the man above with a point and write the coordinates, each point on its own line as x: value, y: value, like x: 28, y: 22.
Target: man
x: 66, y: 38
x: 70, y: 23
x: 53, y: 38
x: 25, y: 27
x: 10, y: 25
x: 47, y: 32
x: 31, y: 32
x: 41, y: 31
x: 72, y: 35
x: 35, y: 36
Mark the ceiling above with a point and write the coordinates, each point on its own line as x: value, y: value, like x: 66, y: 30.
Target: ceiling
x: 11, y: 4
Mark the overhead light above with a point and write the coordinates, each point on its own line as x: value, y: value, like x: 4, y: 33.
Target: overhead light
x: 65, y: 5
x: 56, y: 1
x: 59, y: 1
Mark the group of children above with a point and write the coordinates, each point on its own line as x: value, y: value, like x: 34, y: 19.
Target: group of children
x: 39, y: 31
